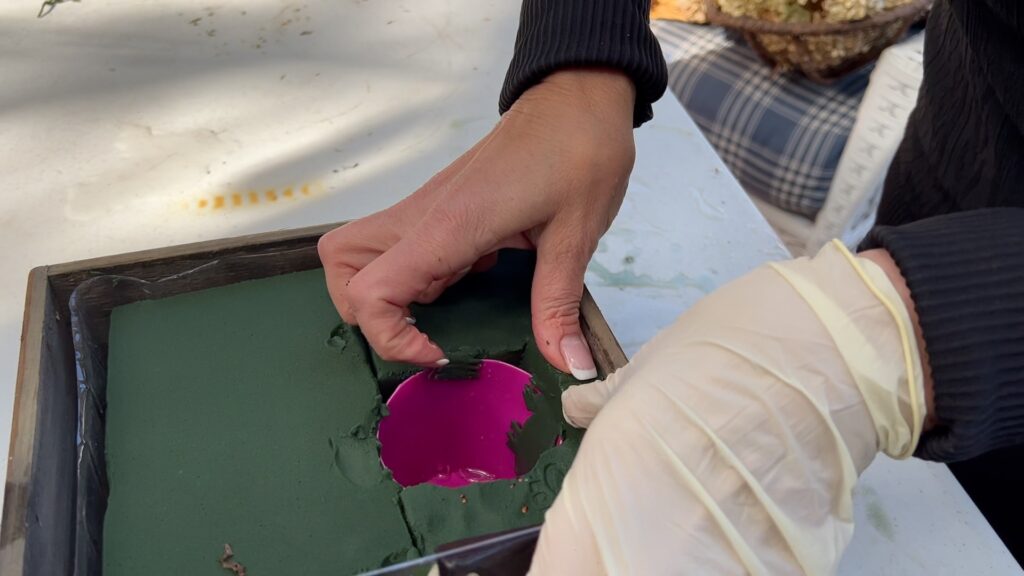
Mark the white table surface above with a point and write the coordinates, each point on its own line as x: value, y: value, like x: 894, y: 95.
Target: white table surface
x: 122, y: 121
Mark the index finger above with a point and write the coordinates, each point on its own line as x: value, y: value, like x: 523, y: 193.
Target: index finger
x: 438, y: 248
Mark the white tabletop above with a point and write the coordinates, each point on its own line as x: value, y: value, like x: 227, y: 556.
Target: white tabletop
x: 123, y: 121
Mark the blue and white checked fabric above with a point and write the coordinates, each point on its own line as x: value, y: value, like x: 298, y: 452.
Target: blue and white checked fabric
x: 780, y: 134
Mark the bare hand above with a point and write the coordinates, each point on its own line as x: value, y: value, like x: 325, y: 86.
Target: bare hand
x: 550, y: 176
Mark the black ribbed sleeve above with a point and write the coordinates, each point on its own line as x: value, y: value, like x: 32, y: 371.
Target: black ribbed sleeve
x: 965, y: 272
x: 556, y: 34
x: 964, y: 142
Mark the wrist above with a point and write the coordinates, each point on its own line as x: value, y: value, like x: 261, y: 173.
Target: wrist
x: 881, y: 258
x: 605, y: 93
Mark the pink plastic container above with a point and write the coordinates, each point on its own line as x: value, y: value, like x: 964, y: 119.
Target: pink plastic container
x: 454, y: 432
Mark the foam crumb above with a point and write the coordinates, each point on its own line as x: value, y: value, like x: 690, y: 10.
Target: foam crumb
x: 227, y: 562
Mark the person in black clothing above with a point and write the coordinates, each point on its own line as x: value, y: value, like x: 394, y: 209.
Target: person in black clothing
x: 553, y: 172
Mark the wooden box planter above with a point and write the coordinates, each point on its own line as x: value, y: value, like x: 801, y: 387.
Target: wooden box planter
x: 37, y: 536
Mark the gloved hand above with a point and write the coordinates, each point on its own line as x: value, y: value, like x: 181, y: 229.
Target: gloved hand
x: 731, y: 443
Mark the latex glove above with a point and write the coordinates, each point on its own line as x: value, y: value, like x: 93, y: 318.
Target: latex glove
x: 550, y: 176
x: 731, y: 443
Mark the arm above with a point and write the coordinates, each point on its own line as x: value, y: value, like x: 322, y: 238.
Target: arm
x: 550, y: 176
x: 959, y: 159
x: 733, y: 440
x: 965, y: 274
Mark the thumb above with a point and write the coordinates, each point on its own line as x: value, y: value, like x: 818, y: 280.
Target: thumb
x: 580, y: 404
x: 557, y: 289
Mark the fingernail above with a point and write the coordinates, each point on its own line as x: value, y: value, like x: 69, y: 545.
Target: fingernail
x: 442, y: 362
x: 577, y: 356
x: 410, y: 320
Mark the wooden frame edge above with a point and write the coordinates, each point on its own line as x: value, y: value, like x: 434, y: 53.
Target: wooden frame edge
x: 20, y: 454
x: 609, y: 356
x: 190, y: 249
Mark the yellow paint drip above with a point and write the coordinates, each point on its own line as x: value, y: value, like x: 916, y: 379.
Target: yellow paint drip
x: 270, y: 195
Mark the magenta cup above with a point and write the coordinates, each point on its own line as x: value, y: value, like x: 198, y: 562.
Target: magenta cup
x: 454, y: 432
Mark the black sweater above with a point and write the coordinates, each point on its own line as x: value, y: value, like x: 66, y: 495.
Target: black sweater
x: 946, y: 215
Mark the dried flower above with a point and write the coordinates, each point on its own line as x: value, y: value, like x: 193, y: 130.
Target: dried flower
x: 807, y: 10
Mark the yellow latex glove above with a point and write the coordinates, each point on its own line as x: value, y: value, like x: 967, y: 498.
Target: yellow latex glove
x: 731, y: 443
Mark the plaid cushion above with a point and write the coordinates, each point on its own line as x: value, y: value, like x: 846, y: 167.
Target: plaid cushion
x: 780, y: 134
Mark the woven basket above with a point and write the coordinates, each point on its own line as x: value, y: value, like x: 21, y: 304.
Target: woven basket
x: 822, y: 51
